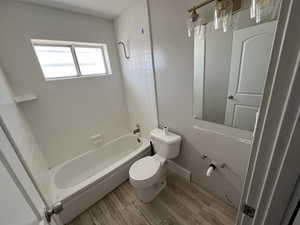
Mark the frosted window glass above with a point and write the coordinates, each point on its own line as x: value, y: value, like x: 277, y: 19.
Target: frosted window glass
x: 56, y: 61
x: 90, y: 60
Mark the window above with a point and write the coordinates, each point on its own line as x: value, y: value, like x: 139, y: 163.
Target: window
x: 56, y: 61
x: 60, y: 59
x: 90, y: 60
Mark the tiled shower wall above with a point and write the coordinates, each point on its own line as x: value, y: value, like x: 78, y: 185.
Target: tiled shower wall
x: 67, y: 112
x: 132, y: 28
x: 23, y: 136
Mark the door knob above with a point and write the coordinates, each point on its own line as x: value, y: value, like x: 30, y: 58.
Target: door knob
x: 230, y: 97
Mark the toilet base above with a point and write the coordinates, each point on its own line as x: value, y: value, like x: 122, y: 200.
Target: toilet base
x: 147, y: 195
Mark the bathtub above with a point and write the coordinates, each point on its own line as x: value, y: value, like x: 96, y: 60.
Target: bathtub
x: 80, y: 182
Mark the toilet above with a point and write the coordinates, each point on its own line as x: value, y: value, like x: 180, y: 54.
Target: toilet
x: 147, y: 175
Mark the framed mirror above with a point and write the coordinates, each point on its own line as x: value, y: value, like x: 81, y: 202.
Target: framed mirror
x: 230, y: 70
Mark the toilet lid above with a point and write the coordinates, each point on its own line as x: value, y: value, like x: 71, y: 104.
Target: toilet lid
x: 144, y: 168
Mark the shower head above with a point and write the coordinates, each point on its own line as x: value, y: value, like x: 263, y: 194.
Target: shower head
x: 124, y: 49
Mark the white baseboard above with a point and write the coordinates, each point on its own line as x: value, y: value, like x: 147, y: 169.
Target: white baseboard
x: 178, y: 170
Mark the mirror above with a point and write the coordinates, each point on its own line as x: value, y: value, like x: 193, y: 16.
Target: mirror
x: 230, y: 70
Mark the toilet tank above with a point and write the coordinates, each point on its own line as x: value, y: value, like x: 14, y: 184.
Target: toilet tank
x: 165, y: 145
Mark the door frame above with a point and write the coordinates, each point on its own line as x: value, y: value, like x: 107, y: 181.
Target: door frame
x: 18, y: 183
x: 272, y: 171
x: 28, y: 187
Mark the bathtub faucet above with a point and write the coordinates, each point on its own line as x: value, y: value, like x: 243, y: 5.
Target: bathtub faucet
x: 137, y: 129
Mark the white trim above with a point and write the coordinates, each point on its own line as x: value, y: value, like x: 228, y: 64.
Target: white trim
x: 30, y: 190
x: 199, y: 73
x: 65, y: 43
x: 178, y: 170
x: 19, y: 185
x: 273, y: 168
x: 246, y: 138
x: 77, y: 77
x: 153, y: 62
x: 292, y: 205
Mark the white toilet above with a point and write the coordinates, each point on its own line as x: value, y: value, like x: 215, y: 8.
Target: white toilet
x: 147, y: 175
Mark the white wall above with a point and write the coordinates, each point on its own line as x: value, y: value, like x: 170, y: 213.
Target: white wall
x: 14, y: 210
x: 22, y: 134
x: 132, y: 27
x: 67, y: 112
x: 173, y: 59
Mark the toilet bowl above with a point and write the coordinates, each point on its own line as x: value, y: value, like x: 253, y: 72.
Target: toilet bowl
x: 148, y: 175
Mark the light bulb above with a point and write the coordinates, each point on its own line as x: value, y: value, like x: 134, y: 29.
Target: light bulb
x: 227, y: 16
x: 261, y: 9
x: 253, y: 9
x: 258, y: 12
x: 223, y: 14
x: 190, y: 27
x: 191, y: 22
x: 200, y: 31
x: 217, y: 15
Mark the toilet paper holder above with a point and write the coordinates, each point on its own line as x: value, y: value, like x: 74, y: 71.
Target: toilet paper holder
x: 211, y: 168
x: 205, y: 157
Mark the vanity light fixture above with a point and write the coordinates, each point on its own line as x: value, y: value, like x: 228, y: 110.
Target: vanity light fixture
x: 260, y: 9
x: 222, y: 14
x: 191, y: 21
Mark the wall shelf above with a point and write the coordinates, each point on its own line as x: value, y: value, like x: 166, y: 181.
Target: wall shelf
x: 25, y: 98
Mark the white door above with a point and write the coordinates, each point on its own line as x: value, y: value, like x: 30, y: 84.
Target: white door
x: 13, y: 208
x: 273, y: 168
x: 251, y: 49
x: 20, y: 202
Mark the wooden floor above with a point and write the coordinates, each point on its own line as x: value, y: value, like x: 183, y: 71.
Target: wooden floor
x: 178, y: 204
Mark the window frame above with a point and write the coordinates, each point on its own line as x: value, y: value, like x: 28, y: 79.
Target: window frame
x: 72, y: 46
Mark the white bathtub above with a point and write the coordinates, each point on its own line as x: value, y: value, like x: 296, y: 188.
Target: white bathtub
x: 80, y: 182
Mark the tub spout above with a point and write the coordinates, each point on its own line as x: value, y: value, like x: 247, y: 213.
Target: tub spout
x: 137, y: 129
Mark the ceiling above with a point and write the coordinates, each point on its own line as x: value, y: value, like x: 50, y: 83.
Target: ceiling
x: 103, y: 8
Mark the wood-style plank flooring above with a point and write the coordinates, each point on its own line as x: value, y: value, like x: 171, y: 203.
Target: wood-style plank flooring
x: 178, y: 204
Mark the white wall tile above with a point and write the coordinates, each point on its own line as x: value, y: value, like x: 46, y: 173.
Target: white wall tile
x: 67, y: 112
x: 138, y: 70
x: 13, y: 209
x: 21, y: 133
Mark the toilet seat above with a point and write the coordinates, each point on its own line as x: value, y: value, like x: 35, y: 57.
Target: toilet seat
x: 144, y: 172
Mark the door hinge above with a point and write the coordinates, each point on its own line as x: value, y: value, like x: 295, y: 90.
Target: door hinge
x: 248, y: 210
x: 56, y: 209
